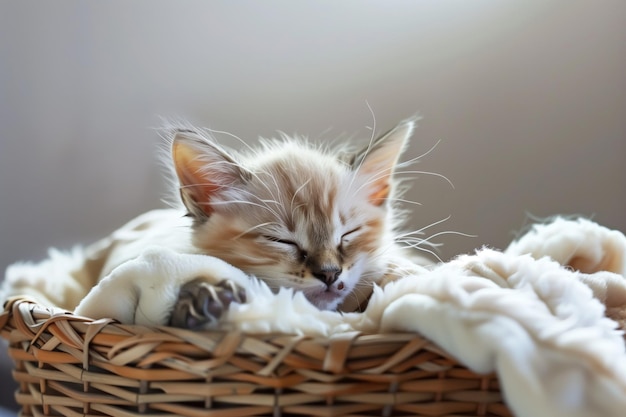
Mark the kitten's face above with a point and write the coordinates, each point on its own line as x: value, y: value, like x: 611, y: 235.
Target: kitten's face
x: 291, y: 215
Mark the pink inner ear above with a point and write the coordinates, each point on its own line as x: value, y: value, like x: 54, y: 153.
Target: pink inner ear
x: 200, y: 194
x: 379, y: 196
x: 194, y: 186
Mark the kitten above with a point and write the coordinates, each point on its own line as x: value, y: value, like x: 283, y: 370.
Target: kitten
x: 320, y: 221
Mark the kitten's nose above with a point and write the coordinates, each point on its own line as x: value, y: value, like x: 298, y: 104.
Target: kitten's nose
x: 327, y: 274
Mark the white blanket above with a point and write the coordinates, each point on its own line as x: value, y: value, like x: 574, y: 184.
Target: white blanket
x: 539, y: 325
x: 535, y: 313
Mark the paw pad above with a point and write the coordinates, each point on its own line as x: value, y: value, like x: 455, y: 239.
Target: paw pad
x: 201, y: 304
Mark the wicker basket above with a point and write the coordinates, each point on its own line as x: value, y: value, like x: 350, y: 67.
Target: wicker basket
x: 73, y: 366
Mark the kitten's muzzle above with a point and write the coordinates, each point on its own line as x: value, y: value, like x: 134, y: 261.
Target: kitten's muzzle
x: 327, y: 274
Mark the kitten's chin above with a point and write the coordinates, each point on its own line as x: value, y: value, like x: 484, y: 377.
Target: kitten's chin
x: 325, y: 299
x: 330, y: 298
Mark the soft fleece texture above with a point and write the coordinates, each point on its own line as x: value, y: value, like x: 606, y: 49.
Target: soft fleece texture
x: 535, y: 313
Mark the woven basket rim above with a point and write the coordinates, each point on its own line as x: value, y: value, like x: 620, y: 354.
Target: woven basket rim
x: 349, y: 373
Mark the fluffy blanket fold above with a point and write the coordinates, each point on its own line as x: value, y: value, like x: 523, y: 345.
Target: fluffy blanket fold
x: 545, y: 314
x: 540, y: 324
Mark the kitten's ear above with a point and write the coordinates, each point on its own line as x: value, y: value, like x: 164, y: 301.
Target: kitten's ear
x: 379, y: 159
x: 204, y: 170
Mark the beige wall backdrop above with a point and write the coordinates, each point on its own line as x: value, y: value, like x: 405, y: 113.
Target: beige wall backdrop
x: 527, y: 100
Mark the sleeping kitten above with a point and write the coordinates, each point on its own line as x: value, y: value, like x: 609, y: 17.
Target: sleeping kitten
x: 293, y: 215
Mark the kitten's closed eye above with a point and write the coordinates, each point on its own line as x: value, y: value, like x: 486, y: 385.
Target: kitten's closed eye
x: 347, y: 237
x: 351, y: 232
x: 301, y: 252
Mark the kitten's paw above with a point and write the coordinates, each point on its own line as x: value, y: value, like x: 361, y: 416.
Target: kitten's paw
x: 201, y: 304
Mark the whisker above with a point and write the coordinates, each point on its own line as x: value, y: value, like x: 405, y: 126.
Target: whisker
x: 399, y: 200
x: 245, y: 232
x: 211, y: 164
x: 417, y: 158
x: 293, y: 209
x: 372, y: 180
x: 281, y: 205
x: 223, y: 132
x: 389, y: 172
x: 360, y: 291
x: 251, y: 203
x: 369, y: 145
x: 450, y: 232
x: 257, y: 176
x: 435, y: 174
x: 414, y: 243
x: 267, y: 201
x: 430, y: 252
x: 300, y: 188
x: 421, y: 230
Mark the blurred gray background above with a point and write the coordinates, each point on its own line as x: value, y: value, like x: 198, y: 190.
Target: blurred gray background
x: 527, y: 99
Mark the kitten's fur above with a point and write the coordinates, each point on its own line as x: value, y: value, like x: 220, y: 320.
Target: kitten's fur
x: 294, y: 215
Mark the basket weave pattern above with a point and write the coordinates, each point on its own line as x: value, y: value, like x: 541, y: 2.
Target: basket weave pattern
x: 73, y: 366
